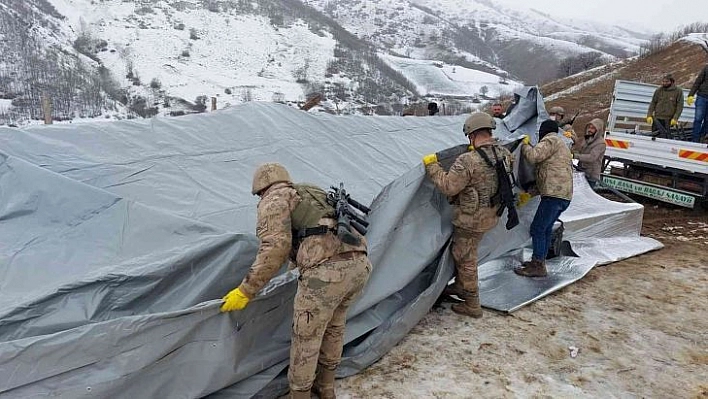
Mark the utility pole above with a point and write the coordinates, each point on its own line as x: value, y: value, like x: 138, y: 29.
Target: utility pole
x: 46, y: 109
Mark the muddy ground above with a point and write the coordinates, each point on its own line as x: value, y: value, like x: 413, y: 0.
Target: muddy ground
x: 640, y: 327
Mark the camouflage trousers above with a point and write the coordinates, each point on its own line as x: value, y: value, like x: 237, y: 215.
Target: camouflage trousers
x: 464, y: 252
x: 324, y: 294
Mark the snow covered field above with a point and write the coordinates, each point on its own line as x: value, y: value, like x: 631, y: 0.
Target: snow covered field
x: 437, y: 78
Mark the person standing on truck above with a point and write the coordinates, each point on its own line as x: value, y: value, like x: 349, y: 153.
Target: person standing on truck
x: 666, y: 105
x: 592, y: 151
x: 699, y: 95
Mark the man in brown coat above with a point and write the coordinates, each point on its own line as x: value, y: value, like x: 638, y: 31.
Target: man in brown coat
x: 470, y: 183
x: 332, y: 274
x: 554, y: 181
x: 591, y: 152
x: 666, y: 104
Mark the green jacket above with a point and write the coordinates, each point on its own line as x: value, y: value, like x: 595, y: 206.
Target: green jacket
x: 666, y: 103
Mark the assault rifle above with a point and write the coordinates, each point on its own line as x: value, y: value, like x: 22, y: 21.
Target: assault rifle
x: 570, y: 122
x: 350, y: 213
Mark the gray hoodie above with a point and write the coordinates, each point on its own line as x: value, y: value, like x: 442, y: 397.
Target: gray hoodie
x: 592, y: 151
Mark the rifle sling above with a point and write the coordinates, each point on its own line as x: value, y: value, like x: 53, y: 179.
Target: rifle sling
x: 495, y: 199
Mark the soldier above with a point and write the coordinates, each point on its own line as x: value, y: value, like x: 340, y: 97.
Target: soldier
x: 470, y: 183
x: 557, y: 114
x: 332, y: 274
x: 554, y: 181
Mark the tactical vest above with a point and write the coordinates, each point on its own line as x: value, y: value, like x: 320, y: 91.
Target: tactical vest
x: 307, y: 214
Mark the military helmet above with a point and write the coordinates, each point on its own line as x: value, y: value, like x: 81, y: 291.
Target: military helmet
x: 268, y: 174
x: 557, y: 110
x: 476, y: 121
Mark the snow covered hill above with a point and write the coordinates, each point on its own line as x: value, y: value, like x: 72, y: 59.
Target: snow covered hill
x: 193, y: 51
x: 469, y: 32
x: 138, y: 58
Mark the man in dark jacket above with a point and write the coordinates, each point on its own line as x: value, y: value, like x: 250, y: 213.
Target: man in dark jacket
x: 700, y: 120
x: 666, y: 104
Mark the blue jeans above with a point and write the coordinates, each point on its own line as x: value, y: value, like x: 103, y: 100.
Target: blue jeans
x: 700, y: 120
x: 547, y: 213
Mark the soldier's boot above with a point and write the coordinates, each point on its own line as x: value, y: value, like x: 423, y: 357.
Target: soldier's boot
x: 324, y: 383
x: 470, y: 307
x: 453, y: 289
x: 532, y: 268
x: 299, y: 394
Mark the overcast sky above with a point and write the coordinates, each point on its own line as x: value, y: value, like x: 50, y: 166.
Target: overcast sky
x: 659, y: 15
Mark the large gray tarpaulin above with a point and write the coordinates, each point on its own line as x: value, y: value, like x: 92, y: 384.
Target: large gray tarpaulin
x: 117, y: 239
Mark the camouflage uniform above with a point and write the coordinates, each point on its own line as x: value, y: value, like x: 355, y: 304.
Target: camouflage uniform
x: 470, y: 183
x: 554, y: 170
x: 332, y: 274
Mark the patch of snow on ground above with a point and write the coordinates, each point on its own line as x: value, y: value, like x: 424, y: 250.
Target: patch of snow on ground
x: 698, y: 38
x: 432, y: 77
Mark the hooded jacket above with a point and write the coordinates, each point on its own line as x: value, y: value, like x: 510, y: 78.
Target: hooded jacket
x: 592, y: 151
x: 666, y: 103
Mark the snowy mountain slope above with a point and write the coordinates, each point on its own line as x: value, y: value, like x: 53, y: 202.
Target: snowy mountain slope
x: 502, y: 33
x: 143, y: 57
x: 194, y: 51
x: 166, y: 56
x: 447, y: 80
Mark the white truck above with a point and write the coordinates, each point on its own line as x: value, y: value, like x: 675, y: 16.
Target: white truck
x: 664, y: 165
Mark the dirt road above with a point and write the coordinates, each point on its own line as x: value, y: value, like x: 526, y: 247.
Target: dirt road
x: 640, y: 328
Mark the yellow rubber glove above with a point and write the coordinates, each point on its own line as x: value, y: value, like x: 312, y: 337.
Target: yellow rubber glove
x: 650, y: 120
x: 470, y: 147
x: 234, y: 300
x: 524, y: 197
x: 526, y: 139
x: 568, y: 134
x: 690, y: 100
x: 674, y: 122
x: 430, y: 158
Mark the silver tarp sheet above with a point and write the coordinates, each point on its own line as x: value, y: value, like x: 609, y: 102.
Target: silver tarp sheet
x: 117, y: 239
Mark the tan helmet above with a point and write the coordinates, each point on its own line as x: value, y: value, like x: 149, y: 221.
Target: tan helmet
x: 557, y: 111
x: 478, y: 120
x: 268, y: 174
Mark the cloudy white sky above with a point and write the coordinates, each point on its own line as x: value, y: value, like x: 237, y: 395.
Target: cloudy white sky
x: 654, y: 15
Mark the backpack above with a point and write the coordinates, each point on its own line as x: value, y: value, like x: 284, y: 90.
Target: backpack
x: 307, y: 214
x: 505, y: 188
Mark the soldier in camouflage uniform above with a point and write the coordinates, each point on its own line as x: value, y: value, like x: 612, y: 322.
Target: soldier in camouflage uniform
x: 332, y: 274
x: 554, y: 181
x: 470, y: 183
x: 558, y: 114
